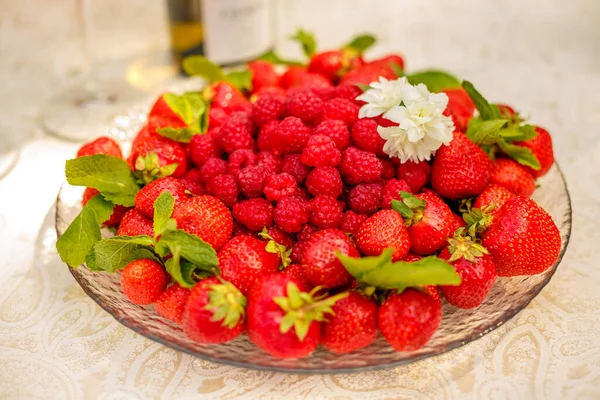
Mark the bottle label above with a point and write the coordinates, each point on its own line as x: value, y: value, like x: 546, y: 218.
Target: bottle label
x: 236, y: 30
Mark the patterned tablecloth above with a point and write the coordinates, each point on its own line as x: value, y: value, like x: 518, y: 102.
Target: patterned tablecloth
x: 55, y: 342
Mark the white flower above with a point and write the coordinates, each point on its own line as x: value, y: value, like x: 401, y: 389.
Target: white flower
x: 381, y: 97
x: 422, y: 127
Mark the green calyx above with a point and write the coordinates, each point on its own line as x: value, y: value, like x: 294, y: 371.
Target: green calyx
x: 302, y: 308
x: 410, y: 207
x: 478, y: 220
x: 227, y: 303
x: 148, y: 168
x: 463, y: 246
x: 273, y: 247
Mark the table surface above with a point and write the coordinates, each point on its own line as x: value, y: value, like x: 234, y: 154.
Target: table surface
x: 55, y: 342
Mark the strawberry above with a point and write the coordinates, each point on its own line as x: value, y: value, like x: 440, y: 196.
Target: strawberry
x: 368, y: 73
x: 416, y: 175
x: 214, y: 312
x: 460, y: 108
x: 225, y: 96
x: 142, y: 281
x: 244, y: 260
x: 207, y: 217
x: 157, y: 157
x: 263, y: 75
x: 327, y: 63
x: 522, y: 221
x: 476, y: 269
x: 384, y: 229
x: 171, y: 303
x: 428, y: 219
x: 296, y: 272
x: 352, y: 326
x: 162, y: 111
x: 134, y: 223
x: 541, y: 147
x: 291, y: 76
x: 102, y: 145
x: 407, y: 320
x: 283, y: 320
x: 118, y: 212
x: 461, y: 169
x: 512, y: 176
x: 389, y: 59
x: 319, y: 260
x: 145, y: 198
x: 458, y: 222
x: 493, y: 194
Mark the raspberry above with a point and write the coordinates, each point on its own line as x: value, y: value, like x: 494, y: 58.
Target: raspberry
x: 254, y: 214
x: 359, y: 166
x: 348, y: 92
x: 416, y: 175
x: 293, y: 166
x: 269, y: 161
x: 302, y: 193
x: 268, y: 108
x: 306, y: 232
x: 326, y: 212
x: 305, y: 105
x: 193, y: 182
x: 365, y: 137
x: 351, y: 221
x: 211, y: 168
x: 240, y: 159
x: 236, y: 133
x: 290, y: 136
x: 365, y: 198
x: 320, y: 151
x: 265, y: 136
x: 252, y: 180
x: 280, y: 236
x: 298, y: 251
x: 279, y: 186
x: 216, y: 117
x: 336, y: 130
x: 291, y: 213
x: 225, y: 188
x: 342, y: 109
x: 324, y: 181
x: 201, y: 148
x: 389, y: 169
x: 324, y: 92
x: 391, y: 191
x: 239, y: 230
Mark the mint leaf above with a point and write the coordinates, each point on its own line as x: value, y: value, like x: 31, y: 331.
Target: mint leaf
x: 522, y: 155
x: 435, y: 81
x: 307, y: 41
x: 113, y: 254
x: 202, y: 66
x: 181, y: 135
x: 84, y: 231
x: 274, y: 58
x: 111, y: 176
x: 189, y: 106
x: 163, y: 208
x: 242, y: 80
x: 361, y: 43
x: 383, y: 273
x: 486, y: 110
x: 485, y: 132
x: 518, y: 133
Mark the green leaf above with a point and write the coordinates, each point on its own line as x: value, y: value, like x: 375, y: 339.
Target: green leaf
x: 242, y: 80
x: 485, y: 132
x: 307, y: 41
x: 193, y: 249
x: 111, y: 176
x: 522, y: 155
x: 113, y: 254
x: 518, y: 133
x: 273, y: 58
x: 381, y: 272
x: 361, y: 43
x: 486, y: 110
x: 77, y: 241
x: 402, y: 208
x: 434, y: 80
x: 189, y: 106
x: 397, y: 69
x: 202, y: 66
x: 163, y: 208
x: 181, y: 135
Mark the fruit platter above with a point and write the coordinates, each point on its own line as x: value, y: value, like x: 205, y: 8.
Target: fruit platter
x: 333, y: 214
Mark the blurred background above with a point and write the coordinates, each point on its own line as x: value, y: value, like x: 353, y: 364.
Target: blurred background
x: 541, y: 56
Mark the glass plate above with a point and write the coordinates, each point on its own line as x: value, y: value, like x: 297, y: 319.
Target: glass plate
x: 458, y: 327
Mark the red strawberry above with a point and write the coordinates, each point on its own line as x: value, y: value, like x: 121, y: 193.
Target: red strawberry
x: 391, y: 191
x: 460, y: 108
x: 368, y: 73
x: 461, y: 169
x: 353, y: 325
x: 416, y: 175
x: 142, y: 281
x: 118, y: 212
x: 476, y: 269
x: 291, y: 76
x: 152, y: 158
x: 458, y: 222
x: 514, y: 177
x: 145, y: 198
x: 214, y: 312
x: 521, y: 220
x: 244, y: 260
x: 224, y: 95
x: 319, y: 260
x: 102, y: 145
x: 134, y: 223
x: 296, y: 272
x: 171, y: 303
x: 207, y: 217
x: 407, y: 320
x: 496, y: 194
x: 161, y: 110
x: 389, y: 59
x: 541, y: 147
x: 384, y: 229
x: 263, y: 74
x: 192, y: 181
